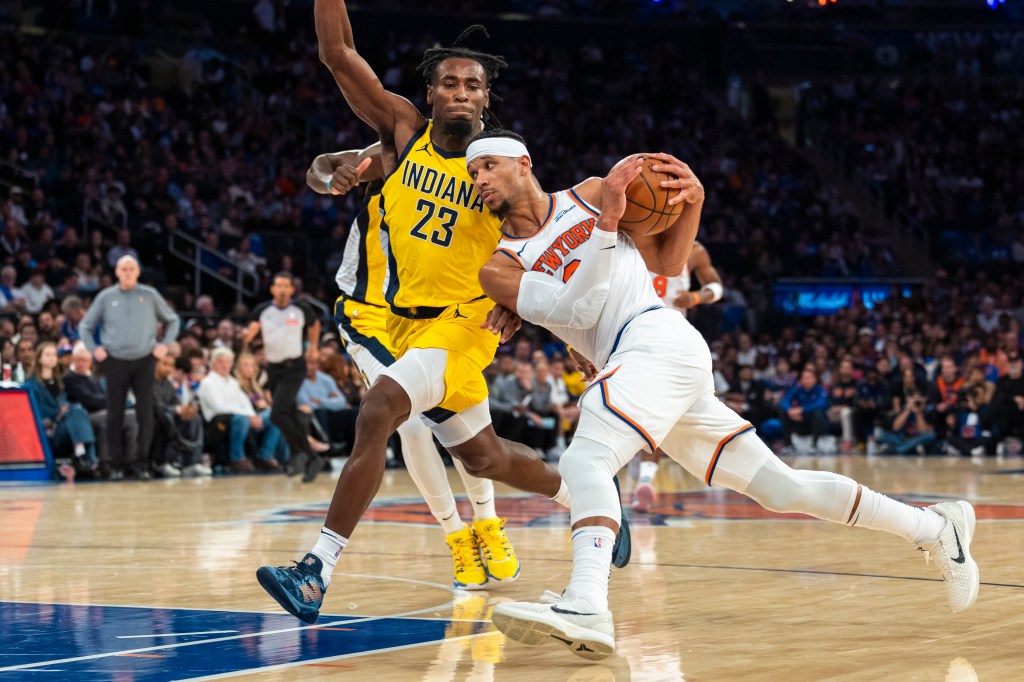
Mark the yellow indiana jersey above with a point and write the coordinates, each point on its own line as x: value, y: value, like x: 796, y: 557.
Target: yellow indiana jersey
x: 436, y: 232
x: 361, y: 275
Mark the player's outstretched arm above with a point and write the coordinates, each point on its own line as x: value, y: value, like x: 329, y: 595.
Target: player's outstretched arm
x: 394, y: 118
x: 340, y: 172
x: 666, y: 253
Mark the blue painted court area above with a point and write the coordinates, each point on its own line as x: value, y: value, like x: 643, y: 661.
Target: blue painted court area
x: 68, y: 642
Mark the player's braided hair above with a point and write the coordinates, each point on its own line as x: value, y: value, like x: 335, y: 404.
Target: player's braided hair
x: 491, y: 63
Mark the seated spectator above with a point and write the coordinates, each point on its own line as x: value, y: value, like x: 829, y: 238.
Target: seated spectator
x: 64, y: 351
x: 508, y: 400
x: 82, y: 388
x: 505, y: 365
x: 910, y: 429
x: 86, y: 273
x: 11, y: 300
x: 947, y: 387
x: 541, y: 413
x: 746, y: 396
x: 36, y: 292
x: 122, y: 248
x: 229, y: 412
x: 564, y: 401
x: 841, y: 396
x: 67, y: 424
x: 345, y: 374
x: 226, y: 336
x: 321, y: 396
x: 74, y: 312
x: 1008, y: 406
x: 782, y: 381
x: 253, y: 383
x: 805, y: 407
x: 746, y: 353
x: 907, y: 385
x: 26, y: 356
x: 177, y: 427
x: 27, y: 330
x: 194, y: 368
x: 971, y: 426
x: 8, y: 354
x: 872, y: 403
x: 976, y: 377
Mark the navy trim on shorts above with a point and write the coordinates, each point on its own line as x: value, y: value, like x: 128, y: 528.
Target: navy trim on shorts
x: 618, y: 336
x: 377, y: 349
x: 720, y: 449
x: 439, y: 415
x: 363, y: 221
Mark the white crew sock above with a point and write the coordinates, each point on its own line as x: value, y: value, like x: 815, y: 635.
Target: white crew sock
x: 647, y: 472
x: 878, y: 512
x: 480, y: 492
x: 591, y: 565
x: 562, y: 496
x: 328, y: 548
x: 449, y: 518
x: 79, y: 449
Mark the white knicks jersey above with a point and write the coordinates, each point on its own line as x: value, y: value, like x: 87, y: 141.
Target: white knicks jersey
x: 554, y: 250
x: 669, y: 288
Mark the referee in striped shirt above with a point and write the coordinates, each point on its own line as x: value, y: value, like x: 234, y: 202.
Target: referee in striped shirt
x: 286, y: 326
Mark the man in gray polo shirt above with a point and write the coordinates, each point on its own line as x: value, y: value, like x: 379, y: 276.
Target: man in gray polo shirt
x: 126, y: 316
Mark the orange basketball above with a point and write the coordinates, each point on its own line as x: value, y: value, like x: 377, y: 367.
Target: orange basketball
x: 647, y: 210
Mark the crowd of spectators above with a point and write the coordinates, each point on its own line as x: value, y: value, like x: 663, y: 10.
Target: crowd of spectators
x: 109, y: 160
x: 936, y: 372
x: 210, y: 400
x: 940, y: 149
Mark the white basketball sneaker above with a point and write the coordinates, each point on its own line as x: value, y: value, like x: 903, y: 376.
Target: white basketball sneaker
x: 574, y: 622
x: 952, y: 554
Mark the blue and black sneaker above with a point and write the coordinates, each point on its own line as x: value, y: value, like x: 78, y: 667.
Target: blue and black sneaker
x: 623, y: 547
x: 299, y: 589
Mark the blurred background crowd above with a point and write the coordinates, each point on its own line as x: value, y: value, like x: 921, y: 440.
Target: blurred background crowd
x: 860, y: 205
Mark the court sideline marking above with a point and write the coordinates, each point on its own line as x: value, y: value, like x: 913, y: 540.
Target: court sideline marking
x: 296, y: 664
x: 350, y: 621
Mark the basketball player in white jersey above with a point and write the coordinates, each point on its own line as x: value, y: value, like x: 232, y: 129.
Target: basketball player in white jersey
x: 564, y: 266
x: 361, y: 313
x: 675, y: 293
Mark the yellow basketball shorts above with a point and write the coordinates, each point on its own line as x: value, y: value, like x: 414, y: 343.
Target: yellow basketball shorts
x: 470, y: 349
x: 364, y: 331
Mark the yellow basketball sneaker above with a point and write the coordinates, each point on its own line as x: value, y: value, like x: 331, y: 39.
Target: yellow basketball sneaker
x: 500, y: 559
x: 469, y: 570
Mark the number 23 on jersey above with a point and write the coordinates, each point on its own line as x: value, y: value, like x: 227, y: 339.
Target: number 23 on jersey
x: 440, y: 233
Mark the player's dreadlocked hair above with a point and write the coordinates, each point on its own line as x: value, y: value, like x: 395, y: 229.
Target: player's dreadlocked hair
x: 437, y: 54
x: 492, y: 63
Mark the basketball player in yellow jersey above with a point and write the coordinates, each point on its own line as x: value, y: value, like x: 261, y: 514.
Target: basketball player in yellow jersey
x: 437, y: 234
x: 361, y: 313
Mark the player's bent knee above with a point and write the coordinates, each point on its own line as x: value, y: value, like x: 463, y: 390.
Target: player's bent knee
x: 379, y: 416
x: 481, y: 466
x: 577, y: 460
x: 479, y: 462
x: 587, y: 467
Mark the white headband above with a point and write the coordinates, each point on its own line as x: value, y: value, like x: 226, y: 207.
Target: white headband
x: 497, y: 146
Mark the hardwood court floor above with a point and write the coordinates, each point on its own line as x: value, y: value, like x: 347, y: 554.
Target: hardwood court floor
x: 137, y: 581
